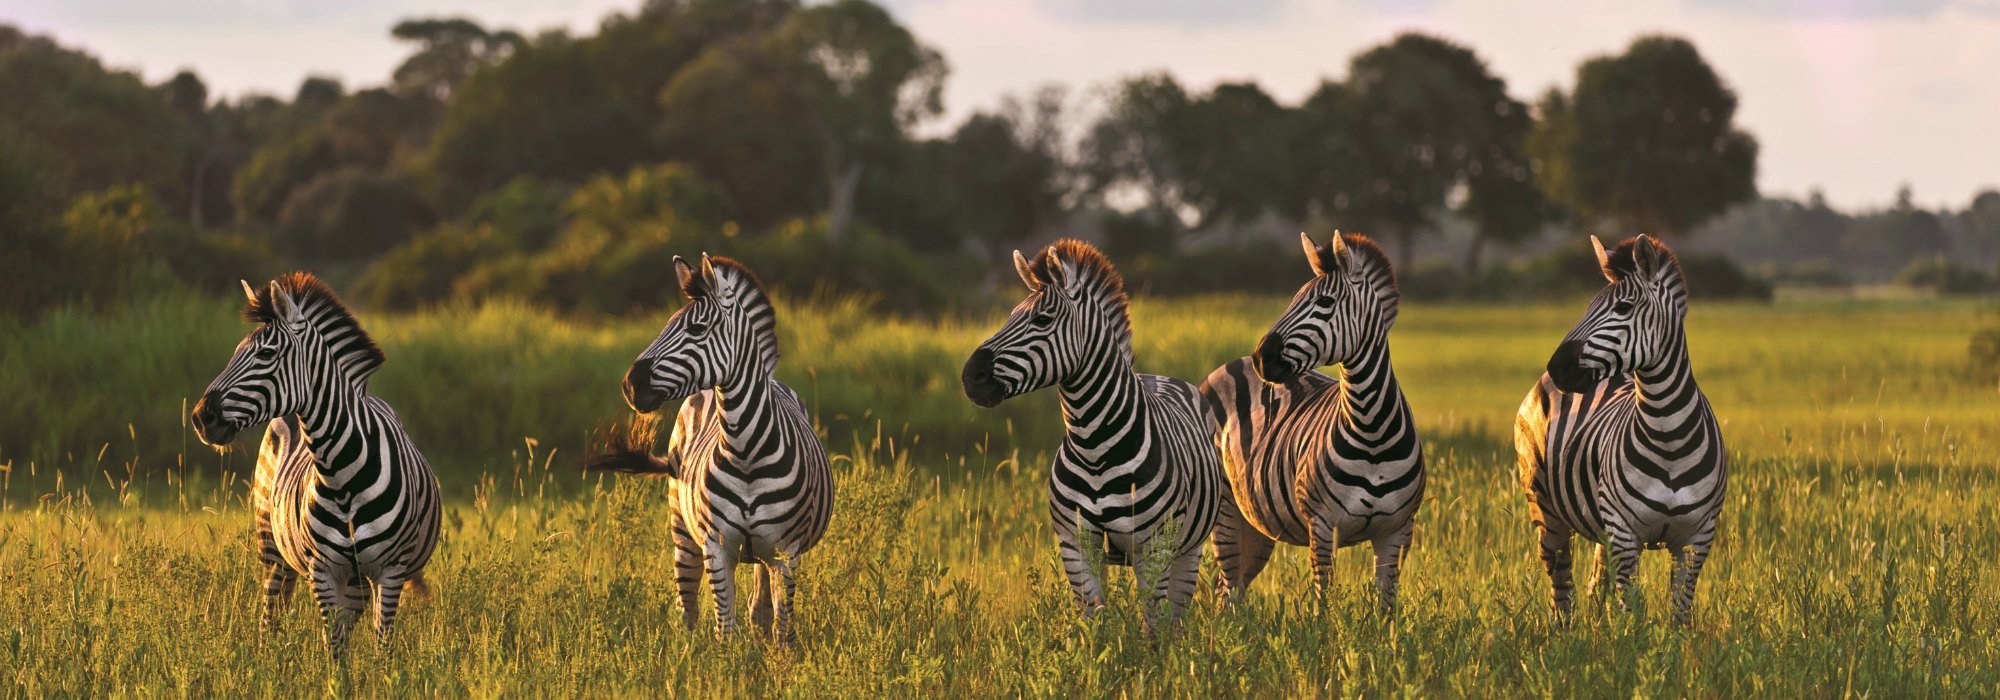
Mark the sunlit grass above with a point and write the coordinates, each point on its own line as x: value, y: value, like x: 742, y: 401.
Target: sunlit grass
x: 1855, y: 552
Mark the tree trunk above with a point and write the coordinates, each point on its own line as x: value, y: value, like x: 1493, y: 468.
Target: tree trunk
x: 1472, y: 254
x: 842, y: 185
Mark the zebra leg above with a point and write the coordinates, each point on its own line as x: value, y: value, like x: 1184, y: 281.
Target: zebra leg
x: 1078, y: 546
x: 760, y: 599
x: 1323, y: 540
x: 1556, y: 560
x: 787, y: 586
x: 687, y: 573
x: 722, y: 582
x: 1600, y: 581
x: 1240, y: 550
x: 388, y: 594
x: 340, y: 601
x: 1624, y: 554
x: 278, y: 585
x: 1389, y: 552
x: 1177, y: 586
x: 1687, y: 571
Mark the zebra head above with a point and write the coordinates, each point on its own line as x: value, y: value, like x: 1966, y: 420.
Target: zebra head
x: 305, y: 342
x: 1346, y: 309
x: 1074, y: 313
x: 727, y: 332
x: 1631, y: 323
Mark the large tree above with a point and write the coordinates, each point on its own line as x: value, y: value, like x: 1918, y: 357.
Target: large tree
x: 1427, y: 117
x: 1647, y: 143
x: 1139, y: 147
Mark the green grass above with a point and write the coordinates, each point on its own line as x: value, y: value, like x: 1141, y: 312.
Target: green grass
x: 1855, y: 556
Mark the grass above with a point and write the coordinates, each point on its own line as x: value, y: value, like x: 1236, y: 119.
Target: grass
x: 1854, y: 559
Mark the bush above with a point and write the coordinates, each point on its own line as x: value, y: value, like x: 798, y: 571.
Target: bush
x: 1712, y: 276
x: 352, y: 214
x: 1816, y: 273
x: 1254, y: 268
x: 1943, y: 276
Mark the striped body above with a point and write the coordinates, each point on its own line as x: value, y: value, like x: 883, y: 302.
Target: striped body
x: 341, y: 496
x: 751, y: 481
x: 1136, y: 481
x: 1318, y: 460
x: 1616, y: 442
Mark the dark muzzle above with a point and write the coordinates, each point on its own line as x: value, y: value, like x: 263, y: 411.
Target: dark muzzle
x: 638, y: 389
x: 209, y: 424
x: 1270, y: 361
x: 978, y: 380
x: 1566, y: 368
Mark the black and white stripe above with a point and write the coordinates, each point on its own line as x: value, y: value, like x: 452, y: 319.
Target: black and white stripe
x: 1318, y: 460
x: 1136, y: 480
x: 342, y: 496
x: 751, y: 479
x: 1616, y: 442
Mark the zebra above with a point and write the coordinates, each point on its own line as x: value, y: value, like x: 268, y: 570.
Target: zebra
x: 1318, y: 460
x: 1137, y: 463
x: 1616, y: 442
x: 750, y: 479
x: 342, y: 496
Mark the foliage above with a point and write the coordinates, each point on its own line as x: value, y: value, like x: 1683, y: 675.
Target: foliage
x: 109, y: 128
x: 1647, y: 142
x: 1944, y: 276
x: 351, y: 214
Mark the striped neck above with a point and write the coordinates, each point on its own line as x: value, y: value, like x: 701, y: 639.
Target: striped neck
x: 1369, y: 393
x: 338, y: 433
x: 1666, y: 391
x: 1103, y: 410
x: 745, y: 393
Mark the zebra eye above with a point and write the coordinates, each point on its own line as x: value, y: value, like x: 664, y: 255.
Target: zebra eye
x: 1042, y: 320
x: 1324, y: 302
x: 697, y: 328
x: 1622, y: 307
x: 267, y: 353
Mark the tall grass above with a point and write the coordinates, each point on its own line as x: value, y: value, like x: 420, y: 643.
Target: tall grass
x: 1855, y: 553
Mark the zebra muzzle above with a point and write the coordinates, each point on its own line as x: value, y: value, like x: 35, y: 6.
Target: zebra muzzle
x: 980, y: 386
x: 638, y: 389
x: 1270, y: 363
x: 210, y: 426
x: 1567, y: 371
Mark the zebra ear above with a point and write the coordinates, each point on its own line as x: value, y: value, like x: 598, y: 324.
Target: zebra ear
x: 248, y: 291
x: 1603, y: 259
x: 283, y: 308
x: 1026, y: 271
x: 1647, y: 258
x: 691, y: 284
x: 1312, y: 253
x: 1054, y: 272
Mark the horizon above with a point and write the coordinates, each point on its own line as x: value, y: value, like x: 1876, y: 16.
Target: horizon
x: 1842, y: 73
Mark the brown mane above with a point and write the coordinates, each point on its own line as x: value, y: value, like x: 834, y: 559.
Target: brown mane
x: 1623, y: 262
x: 314, y: 297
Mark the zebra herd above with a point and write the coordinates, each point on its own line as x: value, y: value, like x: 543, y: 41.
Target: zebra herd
x: 1615, y: 442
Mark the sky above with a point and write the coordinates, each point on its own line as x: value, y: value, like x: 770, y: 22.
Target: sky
x: 1854, y: 98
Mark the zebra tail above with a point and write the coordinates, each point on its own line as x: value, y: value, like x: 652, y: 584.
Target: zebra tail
x: 629, y: 452
x: 418, y: 587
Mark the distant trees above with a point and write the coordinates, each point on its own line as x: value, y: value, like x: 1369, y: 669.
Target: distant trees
x: 1647, y: 142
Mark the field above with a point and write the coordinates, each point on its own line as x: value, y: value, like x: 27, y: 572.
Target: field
x: 1855, y: 559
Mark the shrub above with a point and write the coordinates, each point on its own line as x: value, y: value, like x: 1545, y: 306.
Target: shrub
x: 1712, y: 276
x: 352, y: 214
x: 1817, y: 273
x: 1943, y: 276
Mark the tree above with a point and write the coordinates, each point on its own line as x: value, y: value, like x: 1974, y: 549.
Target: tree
x: 738, y: 129
x: 861, y: 80
x: 1139, y: 146
x: 1239, y: 146
x: 352, y: 214
x: 1427, y: 117
x: 109, y: 128
x: 449, y: 51
x: 1005, y: 174
x: 1647, y: 143
x: 547, y: 111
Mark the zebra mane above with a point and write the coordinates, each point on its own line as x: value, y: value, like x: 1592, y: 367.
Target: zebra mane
x: 323, y: 308
x: 1097, y: 276
x: 1369, y: 253
x: 1623, y: 261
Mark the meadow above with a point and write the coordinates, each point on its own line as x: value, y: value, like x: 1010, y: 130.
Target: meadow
x: 1855, y: 555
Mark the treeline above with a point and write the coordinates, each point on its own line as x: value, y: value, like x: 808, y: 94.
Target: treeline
x: 568, y: 169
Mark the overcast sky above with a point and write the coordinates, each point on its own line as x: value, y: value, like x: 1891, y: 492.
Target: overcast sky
x: 1853, y: 97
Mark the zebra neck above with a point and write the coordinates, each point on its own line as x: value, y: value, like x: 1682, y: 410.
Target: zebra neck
x: 745, y: 401
x: 1103, y: 408
x: 1666, y: 393
x: 1368, y: 388
x: 341, y: 437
